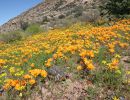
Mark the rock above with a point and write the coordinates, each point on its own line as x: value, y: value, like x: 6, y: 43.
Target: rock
x: 57, y: 73
x: 44, y: 90
x: 122, y: 98
x: 90, y: 15
x: 126, y: 59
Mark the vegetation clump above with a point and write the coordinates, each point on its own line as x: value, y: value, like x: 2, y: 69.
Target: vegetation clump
x: 118, y: 8
x: 27, y: 30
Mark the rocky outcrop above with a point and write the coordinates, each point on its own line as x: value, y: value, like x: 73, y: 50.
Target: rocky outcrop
x: 51, y: 13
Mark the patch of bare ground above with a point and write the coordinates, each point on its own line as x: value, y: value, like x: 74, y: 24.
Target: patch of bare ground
x: 66, y: 90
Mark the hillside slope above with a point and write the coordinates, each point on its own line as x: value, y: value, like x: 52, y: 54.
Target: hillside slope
x: 52, y: 12
x: 81, y: 62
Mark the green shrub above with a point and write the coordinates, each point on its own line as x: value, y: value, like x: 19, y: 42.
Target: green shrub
x: 11, y: 36
x: 111, y: 79
x: 33, y: 29
x: 18, y: 35
x: 117, y: 7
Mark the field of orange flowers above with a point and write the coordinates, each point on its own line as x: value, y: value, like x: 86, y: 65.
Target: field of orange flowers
x: 24, y: 63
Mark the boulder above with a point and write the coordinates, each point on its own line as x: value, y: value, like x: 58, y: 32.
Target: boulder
x: 90, y: 15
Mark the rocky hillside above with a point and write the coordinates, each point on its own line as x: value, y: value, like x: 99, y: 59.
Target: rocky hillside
x: 55, y: 13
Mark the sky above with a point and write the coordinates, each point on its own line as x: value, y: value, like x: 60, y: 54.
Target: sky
x: 12, y: 8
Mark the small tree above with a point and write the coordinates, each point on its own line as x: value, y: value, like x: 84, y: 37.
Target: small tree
x: 117, y: 7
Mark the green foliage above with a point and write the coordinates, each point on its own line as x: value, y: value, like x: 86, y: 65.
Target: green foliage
x: 101, y: 55
x: 108, y: 78
x: 92, y: 93
x: 117, y: 7
x: 19, y: 34
x: 11, y: 36
x: 33, y: 29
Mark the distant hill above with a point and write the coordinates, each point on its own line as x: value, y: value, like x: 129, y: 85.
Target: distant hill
x: 54, y: 13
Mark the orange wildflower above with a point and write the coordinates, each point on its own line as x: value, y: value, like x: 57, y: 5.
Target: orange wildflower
x: 43, y: 73
x: 79, y: 68
x: 32, y: 81
x: 32, y: 65
x: 26, y: 76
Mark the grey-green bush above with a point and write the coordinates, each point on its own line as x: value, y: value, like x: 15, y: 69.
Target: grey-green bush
x: 33, y: 29
x: 11, y: 36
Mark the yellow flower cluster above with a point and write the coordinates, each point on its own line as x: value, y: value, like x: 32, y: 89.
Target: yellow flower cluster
x: 36, y: 72
x: 89, y: 64
x: 114, y: 64
x: 21, y: 84
x: 17, y: 84
x: 48, y: 62
x: 25, y: 60
x: 27, y: 76
x: 85, y: 53
x: 2, y: 62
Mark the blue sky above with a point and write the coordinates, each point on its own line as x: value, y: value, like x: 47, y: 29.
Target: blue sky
x: 12, y: 8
